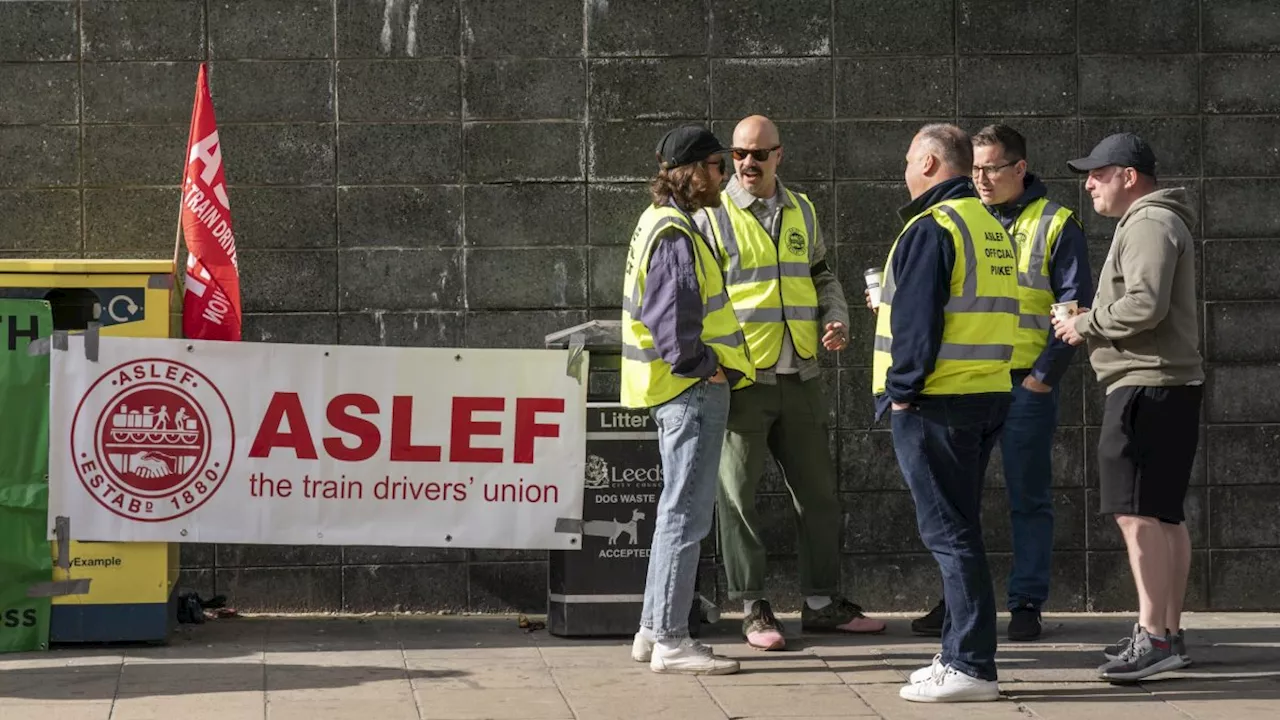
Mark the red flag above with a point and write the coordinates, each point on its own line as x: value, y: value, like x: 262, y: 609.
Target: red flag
x: 211, y: 301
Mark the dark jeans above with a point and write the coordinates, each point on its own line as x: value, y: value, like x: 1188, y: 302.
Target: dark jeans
x: 1027, y: 450
x: 943, y: 444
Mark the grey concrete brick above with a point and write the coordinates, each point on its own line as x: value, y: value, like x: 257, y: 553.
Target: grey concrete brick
x: 283, y: 218
x: 533, y: 28
x: 1111, y: 587
x: 879, y: 521
x: 1104, y: 534
x: 857, y: 405
x: 1051, y: 142
x: 627, y: 27
x: 40, y: 220
x: 399, y: 90
x: 305, y: 328
x: 1230, y: 208
x: 1234, y: 579
x: 867, y: 461
x: 608, y: 267
x: 406, y: 329
x: 873, y: 87
x: 399, y: 216
x: 1240, y: 83
x: 1068, y: 589
x: 525, y: 89
x: 499, y: 152
x: 288, y: 281
x: 518, y: 279
x: 873, y: 149
x: 301, y: 589
x: 648, y: 88
x: 1243, y: 454
x: 383, y: 555
x: 271, y: 29
x: 126, y: 221
x: 247, y: 555
x: 39, y: 93
x: 1240, y: 270
x: 909, y: 27
x: 526, y: 329
x: 613, y: 209
x: 1068, y: 461
x: 400, y: 279
x: 625, y: 150
x: 1015, y: 26
x: 151, y: 93
x: 1069, y: 510
x: 757, y: 28
x: 1241, y: 146
x: 418, y: 154
x: 1138, y: 26
x: 507, y: 587
x: 1225, y: 402
x: 38, y: 31
x: 139, y: 154
x: 1239, y: 26
x: 1244, y: 516
x: 198, y: 580
x: 867, y: 214
x: 1071, y: 394
x: 272, y: 91
x: 1139, y: 84
x: 1243, y: 332
x: 908, y: 581
x: 526, y: 214
x: 779, y: 88
x: 156, y: 30
x: 275, y: 154
x: 397, y: 29
x: 39, y: 156
x: 806, y: 151
x: 494, y: 555
x: 195, y: 555
x: 1047, y: 84
x: 1175, y: 141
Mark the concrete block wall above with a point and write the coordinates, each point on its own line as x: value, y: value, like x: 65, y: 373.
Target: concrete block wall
x: 467, y: 173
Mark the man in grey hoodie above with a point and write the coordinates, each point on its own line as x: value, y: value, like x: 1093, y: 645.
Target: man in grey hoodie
x: 1143, y: 341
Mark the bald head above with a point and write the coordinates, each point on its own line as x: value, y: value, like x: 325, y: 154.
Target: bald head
x: 938, y: 152
x: 758, y: 172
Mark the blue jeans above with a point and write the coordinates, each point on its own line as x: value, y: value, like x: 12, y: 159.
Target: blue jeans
x: 1027, y: 450
x: 943, y: 444
x: 690, y: 434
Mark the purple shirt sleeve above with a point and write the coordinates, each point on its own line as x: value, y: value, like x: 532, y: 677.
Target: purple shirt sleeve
x: 672, y: 308
x: 1070, y: 278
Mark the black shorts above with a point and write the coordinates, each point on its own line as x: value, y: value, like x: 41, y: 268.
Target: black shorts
x: 1146, y: 450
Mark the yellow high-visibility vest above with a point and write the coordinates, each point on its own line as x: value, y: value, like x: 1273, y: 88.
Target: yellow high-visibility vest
x: 1035, y: 233
x: 981, y: 318
x: 770, y: 285
x: 647, y: 379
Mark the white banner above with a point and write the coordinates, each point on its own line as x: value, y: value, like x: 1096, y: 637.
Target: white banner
x: 203, y: 441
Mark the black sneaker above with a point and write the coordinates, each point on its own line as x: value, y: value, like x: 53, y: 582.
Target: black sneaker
x: 931, y: 624
x: 1116, y: 650
x: 1024, y: 623
x: 1148, y: 655
x: 1179, y: 643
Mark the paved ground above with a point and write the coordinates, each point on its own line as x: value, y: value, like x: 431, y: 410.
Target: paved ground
x: 383, y: 668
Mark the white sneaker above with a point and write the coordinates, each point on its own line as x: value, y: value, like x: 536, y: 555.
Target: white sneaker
x: 951, y: 686
x: 641, y: 648
x: 690, y: 657
x: 925, y: 673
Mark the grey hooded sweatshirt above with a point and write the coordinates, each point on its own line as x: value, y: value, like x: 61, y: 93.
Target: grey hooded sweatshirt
x: 1142, y: 328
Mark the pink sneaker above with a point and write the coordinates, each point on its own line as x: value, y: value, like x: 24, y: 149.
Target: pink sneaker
x: 839, y: 616
x: 761, y: 629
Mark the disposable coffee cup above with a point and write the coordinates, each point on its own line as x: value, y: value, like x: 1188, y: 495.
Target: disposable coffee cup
x: 873, y: 285
x: 1064, y: 311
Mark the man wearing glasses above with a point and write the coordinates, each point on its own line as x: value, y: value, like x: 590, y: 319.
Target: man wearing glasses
x: 788, y: 301
x: 1053, y: 267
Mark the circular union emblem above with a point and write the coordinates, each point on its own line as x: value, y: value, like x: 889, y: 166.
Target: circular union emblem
x: 795, y: 242
x: 152, y: 440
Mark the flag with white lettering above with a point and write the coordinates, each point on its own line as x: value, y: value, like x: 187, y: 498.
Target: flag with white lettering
x: 211, y: 300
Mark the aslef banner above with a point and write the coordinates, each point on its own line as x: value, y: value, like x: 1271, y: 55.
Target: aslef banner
x: 204, y: 441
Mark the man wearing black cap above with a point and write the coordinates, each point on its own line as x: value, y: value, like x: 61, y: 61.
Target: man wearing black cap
x: 1142, y: 336
x: 682, y: 352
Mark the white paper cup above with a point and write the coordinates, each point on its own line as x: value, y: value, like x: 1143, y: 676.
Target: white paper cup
x: 1064, y: 311
x: 873, y: 285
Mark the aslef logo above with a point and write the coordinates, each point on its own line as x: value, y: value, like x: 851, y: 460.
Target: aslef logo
x: 152, y: 440
x: 14, y: 617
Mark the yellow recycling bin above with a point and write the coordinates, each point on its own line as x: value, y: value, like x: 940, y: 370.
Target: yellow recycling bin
x: 132, y: 585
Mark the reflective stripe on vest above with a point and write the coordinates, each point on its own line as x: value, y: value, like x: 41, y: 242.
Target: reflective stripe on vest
x: 1036, y: 232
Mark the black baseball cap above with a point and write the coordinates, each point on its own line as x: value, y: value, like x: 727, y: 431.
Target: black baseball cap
x: 1123, y: 149
x: 687, y: 144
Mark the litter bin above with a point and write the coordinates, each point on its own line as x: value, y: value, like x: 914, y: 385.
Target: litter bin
x: 131, y: 590
x: 598, y: 589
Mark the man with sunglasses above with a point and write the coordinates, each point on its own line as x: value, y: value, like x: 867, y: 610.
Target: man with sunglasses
x: 789, y: 302
x: 1053, y: 267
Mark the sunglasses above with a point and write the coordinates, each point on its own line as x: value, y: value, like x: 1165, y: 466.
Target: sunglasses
x: 717, y: 163
x: 759, y: 155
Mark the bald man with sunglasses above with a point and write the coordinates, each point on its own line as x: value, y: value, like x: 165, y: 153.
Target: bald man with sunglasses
x: 789, y: 303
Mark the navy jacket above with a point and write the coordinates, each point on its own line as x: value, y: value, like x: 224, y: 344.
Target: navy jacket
x: 1069, y: 276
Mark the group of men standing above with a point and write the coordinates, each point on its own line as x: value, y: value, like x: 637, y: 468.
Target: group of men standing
x: 728, y: 295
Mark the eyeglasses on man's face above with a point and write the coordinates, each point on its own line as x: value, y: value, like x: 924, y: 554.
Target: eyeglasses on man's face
x: 990, y: 170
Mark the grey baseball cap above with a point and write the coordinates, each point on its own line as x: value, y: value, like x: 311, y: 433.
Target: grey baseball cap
x: 1124, y: 149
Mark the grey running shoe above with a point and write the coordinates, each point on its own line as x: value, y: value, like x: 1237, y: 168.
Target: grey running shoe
x: 1118, y: 649
x: 1147, y: 655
